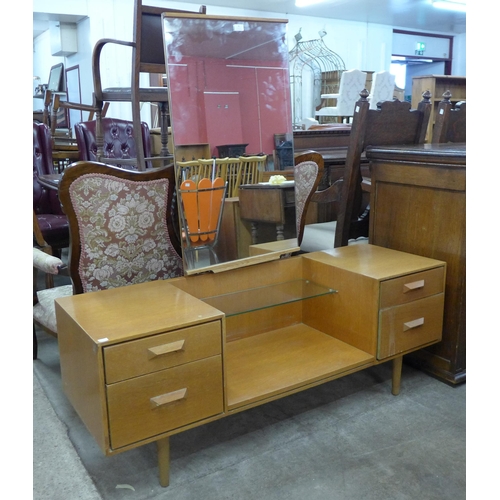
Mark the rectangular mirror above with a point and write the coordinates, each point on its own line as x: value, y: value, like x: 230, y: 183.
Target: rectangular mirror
x: 231, y: 125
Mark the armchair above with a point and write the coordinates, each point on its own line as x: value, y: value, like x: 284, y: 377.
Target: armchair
x: 118, y: 142
x: 382, y: 88
x: 147, y: 57
x: 351, y: 84
x: 49, y: 219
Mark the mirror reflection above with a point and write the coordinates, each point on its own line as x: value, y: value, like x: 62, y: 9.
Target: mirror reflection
x: 231, y: 126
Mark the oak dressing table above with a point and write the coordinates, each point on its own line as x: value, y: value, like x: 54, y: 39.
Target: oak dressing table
x: 143, y: 362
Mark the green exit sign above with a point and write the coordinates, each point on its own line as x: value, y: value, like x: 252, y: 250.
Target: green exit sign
x: 420, y: 48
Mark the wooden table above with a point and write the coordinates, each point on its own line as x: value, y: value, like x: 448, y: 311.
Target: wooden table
x: 418, y: 206
x: 266, y: 203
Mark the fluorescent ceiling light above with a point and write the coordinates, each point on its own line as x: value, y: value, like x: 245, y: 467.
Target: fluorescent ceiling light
x: 306, y: 3
x: 456, y: 5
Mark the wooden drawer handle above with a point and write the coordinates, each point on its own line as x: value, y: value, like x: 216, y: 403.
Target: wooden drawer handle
x: 170, y: 397
x: 159, y: 350
x: 415, y: 285
x: 413, y: 324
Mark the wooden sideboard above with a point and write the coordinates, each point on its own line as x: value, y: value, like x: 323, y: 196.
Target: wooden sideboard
x: 143, y: 362
x: 418, y: 206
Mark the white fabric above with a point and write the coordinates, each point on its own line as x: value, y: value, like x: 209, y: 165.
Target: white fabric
x: 321, y: 236
x: 382, y: 88
x: 351, y: 84
x: 45, y: 311
x: 45, y: 262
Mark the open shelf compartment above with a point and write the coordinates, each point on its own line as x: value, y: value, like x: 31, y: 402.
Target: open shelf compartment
x: 264, y: 297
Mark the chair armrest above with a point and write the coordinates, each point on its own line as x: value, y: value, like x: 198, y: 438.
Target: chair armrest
x: 46, y: 263
x: 328, y: 195
x: 96, y: 55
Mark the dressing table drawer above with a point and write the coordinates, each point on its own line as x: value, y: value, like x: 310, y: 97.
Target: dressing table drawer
x: 411, y: 287
x: 406, y: 327
x: 165, y: 350
x: 146, y: 406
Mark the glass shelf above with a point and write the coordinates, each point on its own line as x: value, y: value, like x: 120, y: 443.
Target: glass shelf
x: 254, y: 299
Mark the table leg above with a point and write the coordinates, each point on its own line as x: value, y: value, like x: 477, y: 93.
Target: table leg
x: 253, y: 226
x: 280, y: 232
x: 164, y: 460
x: 397, y: 367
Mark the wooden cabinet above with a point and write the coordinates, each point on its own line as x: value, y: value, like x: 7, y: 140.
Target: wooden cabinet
x: 418, y: 203
x: 143, y: 362
x: 437, y: 85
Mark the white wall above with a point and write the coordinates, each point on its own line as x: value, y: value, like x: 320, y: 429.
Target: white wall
x: 361, y: 45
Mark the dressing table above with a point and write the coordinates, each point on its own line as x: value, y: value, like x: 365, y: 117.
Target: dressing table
x: 143, y: 362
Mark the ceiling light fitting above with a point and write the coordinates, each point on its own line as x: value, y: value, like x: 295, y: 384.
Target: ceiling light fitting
x: 307, y: 3
x: 455, y: 5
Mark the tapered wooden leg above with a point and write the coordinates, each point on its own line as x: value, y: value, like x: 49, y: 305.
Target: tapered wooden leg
x: 397, y: 367
x: 164, y: 460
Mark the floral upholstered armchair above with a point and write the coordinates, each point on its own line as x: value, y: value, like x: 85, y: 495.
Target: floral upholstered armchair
x: 122, y: 228
x: 122, y: 225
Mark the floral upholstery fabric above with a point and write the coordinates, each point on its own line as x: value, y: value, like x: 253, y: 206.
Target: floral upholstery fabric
x: 305, y: 175
x: 123, y: 231
x: 45, y: 311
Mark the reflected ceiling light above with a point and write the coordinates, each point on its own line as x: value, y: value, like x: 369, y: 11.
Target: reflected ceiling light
x: 306, y: 3
x: 456, y: 5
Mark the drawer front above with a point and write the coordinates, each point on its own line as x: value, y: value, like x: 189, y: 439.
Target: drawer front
x: 159, y: 402
x: 165, y: 350
x: 411, y: 287
x: 406, y: 327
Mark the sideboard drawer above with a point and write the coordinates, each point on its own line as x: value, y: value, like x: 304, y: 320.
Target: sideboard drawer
x: 165, y: 350
x: 146, y: 406
x: 410, y: 325
x: 411, y: 287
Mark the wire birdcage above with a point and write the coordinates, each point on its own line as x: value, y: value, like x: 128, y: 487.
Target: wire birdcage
x: 314, y: 70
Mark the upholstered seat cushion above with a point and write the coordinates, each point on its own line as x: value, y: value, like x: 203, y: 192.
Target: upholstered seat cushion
x: 321, y: 236
x: 45, y: 311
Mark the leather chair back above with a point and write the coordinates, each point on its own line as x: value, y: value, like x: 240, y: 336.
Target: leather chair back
x: 45, y: 201
x: 118, y: 136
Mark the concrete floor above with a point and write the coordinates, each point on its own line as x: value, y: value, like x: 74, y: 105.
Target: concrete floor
x: 348, y: 439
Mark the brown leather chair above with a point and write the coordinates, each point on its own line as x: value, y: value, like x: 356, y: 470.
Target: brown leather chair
x: 48, y: 215
x: 119, y: 141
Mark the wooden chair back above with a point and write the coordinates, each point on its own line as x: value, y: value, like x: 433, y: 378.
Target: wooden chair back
x: 450, y: 121
x: 251, y: 171
x: 394, y: 123
x: 122, y: 232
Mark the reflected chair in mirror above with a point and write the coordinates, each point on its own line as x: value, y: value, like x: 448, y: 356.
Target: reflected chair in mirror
x: 251, y: 171
x: 352, y: 82
x: 193, y: 169
x: 393, y: 123
x: 450, y: 124
x: 147, y: 56
x: 227, y: 169
x: 308, y: 172
x: 382, y: 88
x: 48, y: 215
x: 118, y: 139
x: 121, y: 224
